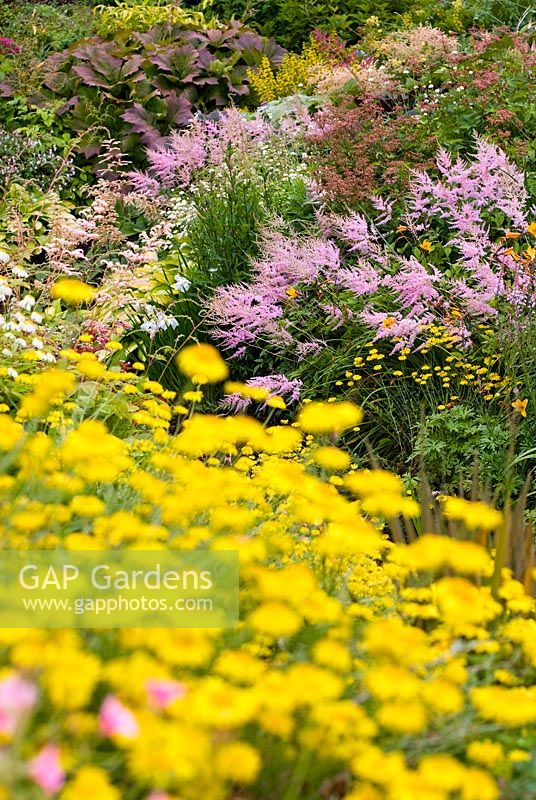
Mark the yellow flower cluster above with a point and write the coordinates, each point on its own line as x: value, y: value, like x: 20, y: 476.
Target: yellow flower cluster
x: 388, y: 664
x: 439, y: 364
x: 292, y: 76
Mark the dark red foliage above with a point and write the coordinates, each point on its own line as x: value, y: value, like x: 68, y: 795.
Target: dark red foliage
x: 333, y: 48
x: 486, y: 79
x: 362, y: 151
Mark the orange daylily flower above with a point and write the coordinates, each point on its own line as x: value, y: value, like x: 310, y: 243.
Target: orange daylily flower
x: 532, y: 228
x: 520, y: 406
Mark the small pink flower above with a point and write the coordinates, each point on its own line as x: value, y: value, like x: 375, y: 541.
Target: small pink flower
x: 163, y: 692
x: 115, y: 719
x: 8, y: 45
x: 158, y: 796
x: 45, y: 769
x: 17, y: 697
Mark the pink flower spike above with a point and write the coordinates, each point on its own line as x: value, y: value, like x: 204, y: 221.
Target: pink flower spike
x: 115, y: 719
x: 163, y: 692
x: 46, y: 771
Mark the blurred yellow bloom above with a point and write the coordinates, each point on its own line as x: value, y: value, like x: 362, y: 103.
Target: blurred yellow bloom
x: 331, y: 458
x: 238, y: 762
x: 473, y: 515
x: 408, y: 717
x: 506, y: 706
x: 487, y: 752
x: 49, y: 388
x: 202, y: 363
x: 275, y: 619
x: 89, y: 783
x: 73, y: 291
x: 329, y: 417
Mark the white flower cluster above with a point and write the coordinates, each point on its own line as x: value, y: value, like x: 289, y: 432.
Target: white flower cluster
x: 156, y: 320
x: 19, y: 324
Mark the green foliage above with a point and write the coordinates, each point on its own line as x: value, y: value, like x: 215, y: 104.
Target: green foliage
x: 223, y: 236
x: 454, y: 443
x: 372, y: 146
x: 490, y: 96
x: 41, y: 28
x: 38, y: 30
x: 141, y: 16
x: 43, y: 149
x: 460, y: 15
x: 291, y: 21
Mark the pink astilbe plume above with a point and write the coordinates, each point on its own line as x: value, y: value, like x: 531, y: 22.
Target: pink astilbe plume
x: 142, y: 182
x: 464, y: 194
x: 278, y: 386
x: 243, y: 313
x: 384, y: 208
x: 414, y: 285
x: 466, y: 188
x: 352, y: 272
x: 362, y: 237
x: 361, y: 280
x: 205, y: 141
x: 186, y: 152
